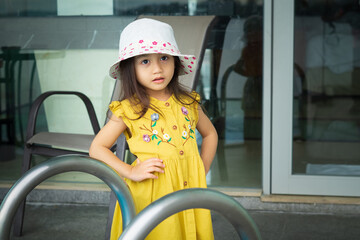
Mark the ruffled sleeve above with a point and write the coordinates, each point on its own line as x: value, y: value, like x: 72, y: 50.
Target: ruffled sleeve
x: 117, y: 109
x: 122, y: 110
x: 196, y: 96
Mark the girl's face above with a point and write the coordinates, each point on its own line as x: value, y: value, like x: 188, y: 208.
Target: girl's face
x: 154, y: 72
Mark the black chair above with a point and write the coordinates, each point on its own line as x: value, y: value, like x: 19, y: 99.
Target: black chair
x: 52, y: 144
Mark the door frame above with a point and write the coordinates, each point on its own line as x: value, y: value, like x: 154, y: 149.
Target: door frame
x: 278, y: 113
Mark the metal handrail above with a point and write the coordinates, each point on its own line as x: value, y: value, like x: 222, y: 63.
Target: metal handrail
x: 135, y: 227
x: 182, y: 200
x: 57, y: 165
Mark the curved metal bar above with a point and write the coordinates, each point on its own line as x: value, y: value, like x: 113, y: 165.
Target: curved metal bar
x: 57, y: 165
x: 181, y: 200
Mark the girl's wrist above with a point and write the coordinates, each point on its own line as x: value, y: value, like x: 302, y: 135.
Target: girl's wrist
x: 128, y: 171
x: 124, y: 170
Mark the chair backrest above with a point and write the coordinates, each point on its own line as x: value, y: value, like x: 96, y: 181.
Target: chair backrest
x: 191, y: 33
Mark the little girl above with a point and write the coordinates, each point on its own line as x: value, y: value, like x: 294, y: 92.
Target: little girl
x: 158, y: 118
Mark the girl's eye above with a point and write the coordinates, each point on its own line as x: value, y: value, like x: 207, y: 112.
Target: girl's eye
x: 145, y: 61
x: 164, y: 58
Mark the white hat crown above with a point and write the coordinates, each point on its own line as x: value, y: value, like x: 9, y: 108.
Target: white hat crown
x: 146, y: 29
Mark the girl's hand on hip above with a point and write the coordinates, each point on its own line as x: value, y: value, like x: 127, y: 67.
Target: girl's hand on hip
x: 146, y: 169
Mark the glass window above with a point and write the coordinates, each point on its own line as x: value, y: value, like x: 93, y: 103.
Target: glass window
x: 234, y: 100
x: 326, y: 106
x: 69, y: 45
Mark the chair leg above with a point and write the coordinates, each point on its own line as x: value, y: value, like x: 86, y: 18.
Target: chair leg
x: 19, y: 216
x: 111, y: 215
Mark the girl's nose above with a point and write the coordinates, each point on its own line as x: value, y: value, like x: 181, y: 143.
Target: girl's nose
x: 157, y: 67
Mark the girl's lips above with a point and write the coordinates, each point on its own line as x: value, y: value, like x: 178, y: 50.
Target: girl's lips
x: 158, y: 80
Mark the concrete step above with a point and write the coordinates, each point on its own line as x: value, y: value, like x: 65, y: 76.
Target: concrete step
x: 81, y: 221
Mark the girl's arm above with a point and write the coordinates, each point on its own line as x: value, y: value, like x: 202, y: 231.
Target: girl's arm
x: 100, y: 149
x: 210, y: 139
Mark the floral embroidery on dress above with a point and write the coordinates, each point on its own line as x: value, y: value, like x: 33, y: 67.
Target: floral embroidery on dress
x: 146, y: 138
x: 154, y: 118
x: 186, y: 134
x: 184, y: 111
x: 154, y: 135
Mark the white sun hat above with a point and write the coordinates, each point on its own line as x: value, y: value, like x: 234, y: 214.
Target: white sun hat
x: 146, y: 36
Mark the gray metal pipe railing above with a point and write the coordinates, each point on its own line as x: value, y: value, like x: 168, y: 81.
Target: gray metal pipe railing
x: 135, y: 227
x: 57, y: 165
x: 181, y: 200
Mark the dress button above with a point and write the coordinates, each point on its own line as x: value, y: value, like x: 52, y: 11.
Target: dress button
x: 185, y: 183
x: 167, y: 104
x: 181, y: 152
x: 174, y: 127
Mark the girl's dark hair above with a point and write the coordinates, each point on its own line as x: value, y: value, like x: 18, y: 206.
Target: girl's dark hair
x: 137, y: 95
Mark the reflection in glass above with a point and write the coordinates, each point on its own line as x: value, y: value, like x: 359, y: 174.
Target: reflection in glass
x: 236, y: 105
x: 326, y: 105
x: 70, y: 48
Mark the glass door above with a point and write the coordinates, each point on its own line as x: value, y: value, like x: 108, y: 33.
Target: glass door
x: 316, y: 98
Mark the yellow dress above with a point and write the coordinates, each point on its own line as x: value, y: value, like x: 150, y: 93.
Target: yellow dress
x: 170, y: 136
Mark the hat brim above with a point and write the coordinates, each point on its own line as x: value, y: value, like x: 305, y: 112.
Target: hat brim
x: 188, y: 63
